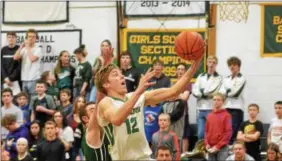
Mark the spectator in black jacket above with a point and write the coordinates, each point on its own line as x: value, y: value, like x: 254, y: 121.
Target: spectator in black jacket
x: 161, y: 80
x: 10, y: 68
x: 131, y: 74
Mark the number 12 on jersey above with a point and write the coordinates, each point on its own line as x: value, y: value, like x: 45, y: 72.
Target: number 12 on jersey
x: 131, y: 125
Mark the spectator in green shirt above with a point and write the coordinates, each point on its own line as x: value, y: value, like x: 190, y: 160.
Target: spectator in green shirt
x: 83, y: 74
x: 52, y: 88
x: 64, y: 72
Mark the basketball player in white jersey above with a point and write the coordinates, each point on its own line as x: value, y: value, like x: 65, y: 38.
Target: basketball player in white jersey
x: 121, y: 114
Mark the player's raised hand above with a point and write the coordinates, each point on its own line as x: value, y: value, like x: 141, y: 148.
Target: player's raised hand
x: 144, y: 82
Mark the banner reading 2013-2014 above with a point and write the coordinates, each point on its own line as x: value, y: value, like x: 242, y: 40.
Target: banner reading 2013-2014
x: 148, y: 45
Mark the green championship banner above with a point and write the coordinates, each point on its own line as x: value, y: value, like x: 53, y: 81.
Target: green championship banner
x: 149, y: 45
x: 271, y: 31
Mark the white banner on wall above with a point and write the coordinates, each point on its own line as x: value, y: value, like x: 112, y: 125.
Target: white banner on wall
x: 35, y: 12
x: 147, y: 8
x: 52, y: 43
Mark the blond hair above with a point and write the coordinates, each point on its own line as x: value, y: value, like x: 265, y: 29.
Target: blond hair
x: 166, y: 115
x: 220, y: 95
x: 213, y: 57
x: 102, y: 76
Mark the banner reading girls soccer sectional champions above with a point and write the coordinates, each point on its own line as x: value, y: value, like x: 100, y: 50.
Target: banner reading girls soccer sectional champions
x: 52, y: 42
x: 147, y: 46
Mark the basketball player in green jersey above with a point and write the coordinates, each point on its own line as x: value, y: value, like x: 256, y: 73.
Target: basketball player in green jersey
x: 121, y: 114
x: 92, y: 135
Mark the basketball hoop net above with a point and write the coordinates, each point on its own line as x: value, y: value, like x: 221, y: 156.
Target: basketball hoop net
x: 234, y: 11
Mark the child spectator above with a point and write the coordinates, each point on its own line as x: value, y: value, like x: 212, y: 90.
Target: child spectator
x: 165, y: 137
x: 9, y: 108
x: 16, y: 131
x: 250, y: 132
x: 83, y: 74
x: 42, y: 105
x: 66, y: 106
x: 22, y: 98
x: 52, y: 88
x: 218, y: 130
x: 239, y: 153
x: 22, y: 149
x: 73, y: 119
x: 35, y: 138
x: 65, y: 133
x: 64, y: 72
x: 52, y: 148
x: 275, y: 129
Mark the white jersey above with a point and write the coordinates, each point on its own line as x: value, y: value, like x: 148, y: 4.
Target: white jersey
x: 128, y: 141
x: 233, y: 88
x: 204, y: 88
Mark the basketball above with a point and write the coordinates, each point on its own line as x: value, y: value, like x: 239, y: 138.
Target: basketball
x: 189, y: 45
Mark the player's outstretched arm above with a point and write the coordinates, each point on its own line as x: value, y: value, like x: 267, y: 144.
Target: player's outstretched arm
x: 118, y: 116
x: 94, y: 133
x: 159, y: 95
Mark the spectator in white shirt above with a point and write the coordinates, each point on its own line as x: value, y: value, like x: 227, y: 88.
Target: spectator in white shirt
x: 233, y: 87
x: 30, y: 55
x: 206, y: 85
x: 275, y: 129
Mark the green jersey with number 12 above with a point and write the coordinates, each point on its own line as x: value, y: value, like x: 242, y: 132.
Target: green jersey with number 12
x: 128, y: 141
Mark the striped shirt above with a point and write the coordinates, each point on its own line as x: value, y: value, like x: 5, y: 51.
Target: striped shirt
x: 95, y: 154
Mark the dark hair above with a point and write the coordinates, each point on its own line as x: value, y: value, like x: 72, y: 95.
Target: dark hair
x: 278, y: 103
x: 234, y: 61
x: 107, y: 41
x: 158, y: 61
x: 82, y: 110
x: 254, y: 105
x: 65, y: 122
x: 41, y: 82
x: 12, y: 33
x: 59, y: 63
x: 80, y: 50
x: 127, y: 53
x: 22, y: 94
x: 7, y: 90
x: 31, y: 31
x: 182, y: 65
x: 65, y: 90
x: 31, y: 137
x: 162, y: 147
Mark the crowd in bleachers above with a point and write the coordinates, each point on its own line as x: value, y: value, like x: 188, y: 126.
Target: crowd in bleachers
x: 47, y: 119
